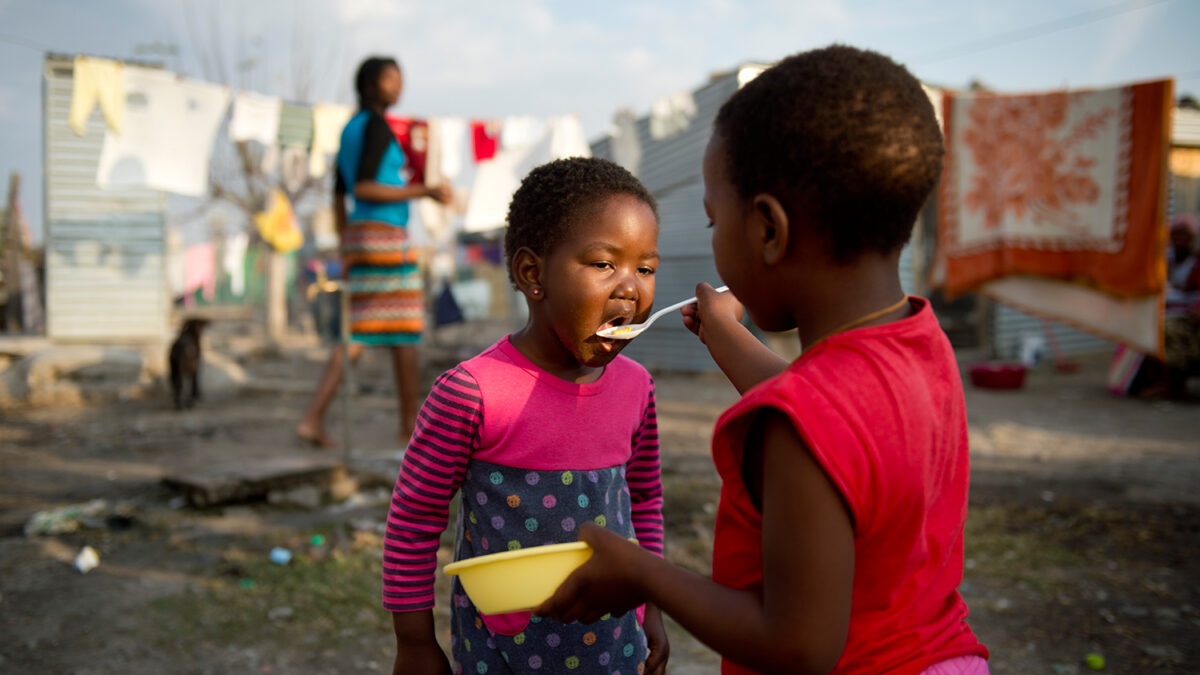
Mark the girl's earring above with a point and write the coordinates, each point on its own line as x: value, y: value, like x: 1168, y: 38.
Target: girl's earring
x: 537, y: 292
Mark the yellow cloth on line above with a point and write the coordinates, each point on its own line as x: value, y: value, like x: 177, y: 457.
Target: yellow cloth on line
x: 277, y: 225
x: 102, y: 81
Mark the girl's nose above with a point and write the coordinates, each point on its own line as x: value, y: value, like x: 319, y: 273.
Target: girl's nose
x: 627, y: 287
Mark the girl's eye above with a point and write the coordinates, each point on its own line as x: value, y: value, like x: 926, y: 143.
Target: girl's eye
x: 645, y: 271
x: 602, y: 265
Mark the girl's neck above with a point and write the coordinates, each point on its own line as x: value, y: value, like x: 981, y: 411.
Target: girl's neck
x: 539, y: 344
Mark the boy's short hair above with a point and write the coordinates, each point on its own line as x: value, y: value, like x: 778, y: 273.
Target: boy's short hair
x: 559, y: 194
x: 846, y: 136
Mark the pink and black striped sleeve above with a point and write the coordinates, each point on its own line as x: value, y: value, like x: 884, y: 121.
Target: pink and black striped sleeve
x: 430, y: 475
x: 643, y: 473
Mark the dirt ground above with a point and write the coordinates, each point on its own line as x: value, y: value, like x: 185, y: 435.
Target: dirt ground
x: 1082, y: 536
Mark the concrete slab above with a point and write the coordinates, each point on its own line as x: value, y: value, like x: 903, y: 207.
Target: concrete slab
x: 244, y: 480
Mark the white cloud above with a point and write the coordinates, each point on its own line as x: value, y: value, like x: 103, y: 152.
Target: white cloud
x: 374, y: 11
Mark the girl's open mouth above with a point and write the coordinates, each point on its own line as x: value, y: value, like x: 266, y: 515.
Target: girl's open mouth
x: 612, y: 323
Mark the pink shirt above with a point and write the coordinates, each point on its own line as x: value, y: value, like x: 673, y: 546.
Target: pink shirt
x: 500, y: 408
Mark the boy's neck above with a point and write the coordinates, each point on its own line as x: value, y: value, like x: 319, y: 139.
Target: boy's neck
x: 543, y: 348
x: 843, y: 294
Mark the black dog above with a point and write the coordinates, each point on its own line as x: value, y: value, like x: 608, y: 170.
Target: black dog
x: 185, y: 364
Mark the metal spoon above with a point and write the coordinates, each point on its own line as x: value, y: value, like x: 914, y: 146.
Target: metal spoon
x: 630, y: 331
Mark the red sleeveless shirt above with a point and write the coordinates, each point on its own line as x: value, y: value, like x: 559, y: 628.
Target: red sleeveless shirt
x: 881, y: 409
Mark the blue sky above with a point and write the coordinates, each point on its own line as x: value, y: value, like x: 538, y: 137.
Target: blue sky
x: 480, y: 58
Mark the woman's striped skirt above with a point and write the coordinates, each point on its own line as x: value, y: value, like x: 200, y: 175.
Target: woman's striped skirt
x: 387, y: 298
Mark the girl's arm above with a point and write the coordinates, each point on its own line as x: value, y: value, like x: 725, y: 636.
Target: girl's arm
x: 430, y: 475
x: 643, y: 474
x: 799, y: 623
x: 716, y: 319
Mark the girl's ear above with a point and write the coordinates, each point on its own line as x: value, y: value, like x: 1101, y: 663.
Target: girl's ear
x: 527, y: 272
x: 774, y: 228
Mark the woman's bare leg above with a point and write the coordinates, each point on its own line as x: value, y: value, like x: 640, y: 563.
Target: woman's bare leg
x: 407, y: 372
x: 312, y: 427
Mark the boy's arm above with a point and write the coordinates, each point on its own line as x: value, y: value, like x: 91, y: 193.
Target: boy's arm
x: 716, y: 319
x: 799, y: 622
x: 432, y: 471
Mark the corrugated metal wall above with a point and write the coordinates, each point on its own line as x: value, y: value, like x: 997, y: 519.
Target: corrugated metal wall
x: 670, y: 169
x: 105, y: 249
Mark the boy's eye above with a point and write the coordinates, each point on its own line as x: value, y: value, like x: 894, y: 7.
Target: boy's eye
x: 602, y: 264
x: 645, y: 271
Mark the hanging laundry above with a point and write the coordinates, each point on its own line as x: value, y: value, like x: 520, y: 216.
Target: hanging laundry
x: 413, y: 137
x: 199, y: 270
x: 328, y: 121
x: 293, y: 167
x: 170, y: 125
x: 567, y: 138
x: 295, y: 126
x: 277, y: 225
x: 1137, y: 322
x: 453, y: 132
x: 485, y: 138
x: 626, y: 145
x: 435, y: 217
x: 1065, y: 185
x: 255, y: 118
x: 672, y: 115
x: 497, y: 180
x: 97, y: 81
x: 234, y: 262
x: 521, y: 131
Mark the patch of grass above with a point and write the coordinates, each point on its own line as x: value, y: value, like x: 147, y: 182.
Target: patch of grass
x: 333, y: 592
x: 1002, y: 545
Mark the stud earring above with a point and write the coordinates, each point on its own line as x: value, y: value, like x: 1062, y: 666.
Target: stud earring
x: 536, y: 292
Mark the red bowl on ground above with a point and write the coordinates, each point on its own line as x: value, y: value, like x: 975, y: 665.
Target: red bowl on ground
x: 998, y: 375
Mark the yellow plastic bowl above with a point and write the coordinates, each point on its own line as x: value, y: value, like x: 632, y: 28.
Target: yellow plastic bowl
x: 515, y: 581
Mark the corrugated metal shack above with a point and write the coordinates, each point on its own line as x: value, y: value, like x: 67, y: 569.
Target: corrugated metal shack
x: 105, y: 249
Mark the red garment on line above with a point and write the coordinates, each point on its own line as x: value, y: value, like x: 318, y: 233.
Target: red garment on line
x: 413, y: 137
x: 486, y: 138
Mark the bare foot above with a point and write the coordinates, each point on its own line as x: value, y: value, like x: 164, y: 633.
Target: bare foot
x: 314, y: 436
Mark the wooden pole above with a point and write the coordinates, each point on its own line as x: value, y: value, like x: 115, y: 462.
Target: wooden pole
x: 12, y: 258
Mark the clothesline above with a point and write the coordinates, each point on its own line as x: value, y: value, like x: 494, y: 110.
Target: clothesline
x: 160, y: 128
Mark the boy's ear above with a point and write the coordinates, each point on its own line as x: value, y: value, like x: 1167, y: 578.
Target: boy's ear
x: 774, y: 226
x: 527, y: 272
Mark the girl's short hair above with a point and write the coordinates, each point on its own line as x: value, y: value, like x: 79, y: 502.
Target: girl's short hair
x: 558, y: 195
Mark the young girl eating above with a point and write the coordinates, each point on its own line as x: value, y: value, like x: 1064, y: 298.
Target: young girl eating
x: 839, y: 533
x: 546, y: 430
